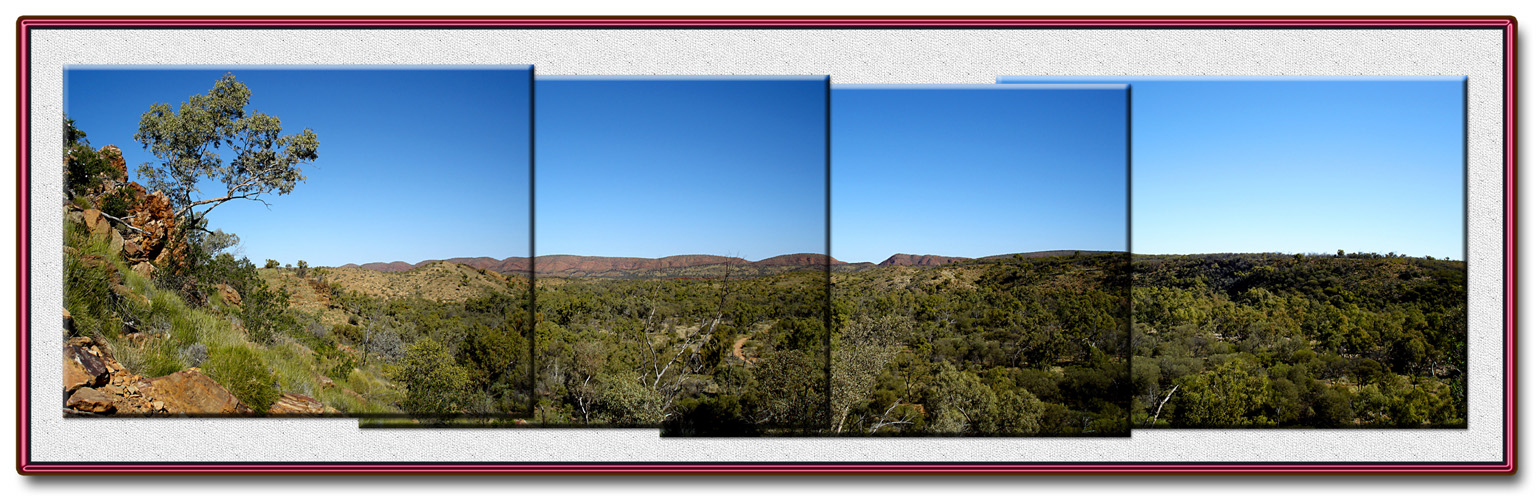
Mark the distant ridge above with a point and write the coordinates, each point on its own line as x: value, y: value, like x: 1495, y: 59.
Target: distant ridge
x: 581, y: 265
x: 911, y: 260
x: 690, y: 265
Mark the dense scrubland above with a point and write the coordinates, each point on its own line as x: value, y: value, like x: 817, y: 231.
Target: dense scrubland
x: 1270, y: 340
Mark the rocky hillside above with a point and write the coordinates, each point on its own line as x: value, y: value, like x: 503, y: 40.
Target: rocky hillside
x: 438, y: 280
x: 146, y: 339
x: 96, y: 384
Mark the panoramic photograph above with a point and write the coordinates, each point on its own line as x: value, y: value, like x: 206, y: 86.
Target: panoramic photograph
x: 1300, y: 251
x: 298, y: 242
x: 984, y: 281
x: 681, y: 277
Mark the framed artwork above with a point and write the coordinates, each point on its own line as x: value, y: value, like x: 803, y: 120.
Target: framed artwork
x: 767, y: 245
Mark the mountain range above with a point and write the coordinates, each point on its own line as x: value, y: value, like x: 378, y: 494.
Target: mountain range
x: 681, y: 265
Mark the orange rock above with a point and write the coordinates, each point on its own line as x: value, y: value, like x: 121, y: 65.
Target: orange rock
x: 95, y: 222
x: 144, y: 269
x: 114, y: 157
x: 92, y: 400
x: 229, y: 294
x: 82, y: 369
x: 190, y: 392
x: 115, y: 240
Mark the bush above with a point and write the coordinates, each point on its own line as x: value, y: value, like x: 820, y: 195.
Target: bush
x: 84, y: 167
x: 434, y: 385
x: 241, y: 370
x: 271, y: 264
x: 118, y: 202
x: 303, y: 268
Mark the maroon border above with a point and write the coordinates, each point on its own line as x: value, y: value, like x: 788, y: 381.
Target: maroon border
x: 26, y: 24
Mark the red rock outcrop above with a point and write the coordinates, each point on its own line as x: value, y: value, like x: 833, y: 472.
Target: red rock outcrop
x: 114, y: 157
x: 910, y: 260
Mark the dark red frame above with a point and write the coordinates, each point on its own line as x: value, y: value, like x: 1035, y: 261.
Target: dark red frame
x: 1507, y: 24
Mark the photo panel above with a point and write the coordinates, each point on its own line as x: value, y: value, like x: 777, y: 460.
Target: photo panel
x: 252, y: 241
x: 1300, y: 251
x: 682, y: 254
x: 983, y: 286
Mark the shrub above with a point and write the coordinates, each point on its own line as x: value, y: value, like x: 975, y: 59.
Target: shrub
x: 434, y: 384
x: 303, y: 268
x: 118, y: 202
x: 241, y: 370
x: 271, y: 264
x: 84, y: 167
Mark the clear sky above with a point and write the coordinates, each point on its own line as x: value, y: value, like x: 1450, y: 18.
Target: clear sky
x: 1312, y: 165
x: 659, y: 166
x: 978, y: 170
x: 414, y: 163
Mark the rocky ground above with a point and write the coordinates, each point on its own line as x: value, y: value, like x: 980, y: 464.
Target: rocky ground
x: 96, y: 384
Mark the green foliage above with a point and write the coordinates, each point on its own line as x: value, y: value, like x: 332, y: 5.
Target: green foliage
x: 334, y: 363
x: 1233, y: 395
x: 1308, y: 341
x: 241, y: 370
x: 960, y: 402
x: 271, y: 264
x: 84, y: 168
x: 186, y: 140
x: 73, y: 136
x: 118, y: 202
x: 263, y: 311
x: 434, y: 385
x: 304, y: 267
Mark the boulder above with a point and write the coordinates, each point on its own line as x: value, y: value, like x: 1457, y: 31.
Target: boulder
x: 190, y: 392
x: 95, y: 222
x: 144, y: 269
x: 83, y: 369
x: 132, y: 250
x: 75, y: 376
x: 91, y: 400
x: 115, y: 241
x: 229, y: 294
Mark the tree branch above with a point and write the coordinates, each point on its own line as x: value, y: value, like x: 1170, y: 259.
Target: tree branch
x: 125, y: 223
x: 1161, y: 404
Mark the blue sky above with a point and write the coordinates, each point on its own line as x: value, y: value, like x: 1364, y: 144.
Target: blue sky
x: 1256, y: 164
x: 658, y: 166
x: 414, y: 163
x: 978, y: 170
